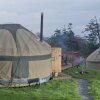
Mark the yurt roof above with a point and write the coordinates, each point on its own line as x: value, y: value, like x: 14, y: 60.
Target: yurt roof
x: 94, y: 57
x: 27, y: 43
x: 13, y: 28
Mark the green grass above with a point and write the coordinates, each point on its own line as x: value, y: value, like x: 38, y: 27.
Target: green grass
x: 93, y: 78
x: 52, y: 90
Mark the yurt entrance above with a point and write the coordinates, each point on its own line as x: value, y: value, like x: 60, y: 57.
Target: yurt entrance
x: 20, y: 69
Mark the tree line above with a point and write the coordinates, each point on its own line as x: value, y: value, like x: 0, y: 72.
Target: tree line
x: 66, y: 39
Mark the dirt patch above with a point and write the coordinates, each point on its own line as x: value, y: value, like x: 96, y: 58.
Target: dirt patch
x: 66, y: 66
x: 62, y: 76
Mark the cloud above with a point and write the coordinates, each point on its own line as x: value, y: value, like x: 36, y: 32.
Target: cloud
x: 57, y: 13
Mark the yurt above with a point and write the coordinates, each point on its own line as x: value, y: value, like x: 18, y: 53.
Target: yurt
x: 93, y: 60
x: 24, y: 59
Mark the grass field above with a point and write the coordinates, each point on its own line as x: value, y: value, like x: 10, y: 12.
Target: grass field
x: 52, y: 90
x: 93, y: 78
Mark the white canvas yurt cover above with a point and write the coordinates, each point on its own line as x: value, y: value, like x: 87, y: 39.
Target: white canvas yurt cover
x: 93, y: 60
x: 24, y: 59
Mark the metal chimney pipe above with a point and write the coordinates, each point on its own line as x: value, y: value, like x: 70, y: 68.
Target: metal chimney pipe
x: 41, y: 28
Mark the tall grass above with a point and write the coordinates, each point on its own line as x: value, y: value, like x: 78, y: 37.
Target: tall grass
x: 52, y: 90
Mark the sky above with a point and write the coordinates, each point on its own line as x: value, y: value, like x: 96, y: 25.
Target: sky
x: 57, y: 14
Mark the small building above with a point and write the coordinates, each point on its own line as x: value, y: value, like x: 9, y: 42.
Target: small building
x: 56, y: 60
x: 76, y: 59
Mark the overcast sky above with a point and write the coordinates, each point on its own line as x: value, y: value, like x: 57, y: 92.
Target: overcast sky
x: 57, y: 13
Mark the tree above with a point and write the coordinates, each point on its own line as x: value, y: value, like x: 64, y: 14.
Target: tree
x: 93, y: 37
x: 66, y: 39
x: 93, y: 28
x: 71, y: 40
x: 55, y: 38
x: 57, y: 32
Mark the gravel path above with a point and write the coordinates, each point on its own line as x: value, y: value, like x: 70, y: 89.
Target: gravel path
x: 82, y: 86
x: 83, y: 89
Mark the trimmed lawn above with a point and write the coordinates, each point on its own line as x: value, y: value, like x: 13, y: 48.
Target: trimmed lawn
x: 52, y: 90
x: 93, y: 78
